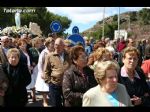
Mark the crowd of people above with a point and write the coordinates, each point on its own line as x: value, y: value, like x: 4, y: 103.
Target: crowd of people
x: 102, y: 72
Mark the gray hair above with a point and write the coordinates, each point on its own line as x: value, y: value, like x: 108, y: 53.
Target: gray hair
x: 102, y: 67
x: 13, y: 50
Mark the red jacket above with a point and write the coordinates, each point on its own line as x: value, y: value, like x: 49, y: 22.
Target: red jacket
x: 121, y: 46
x: 146, y: 66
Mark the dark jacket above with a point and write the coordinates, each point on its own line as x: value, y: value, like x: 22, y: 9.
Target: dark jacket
x: 34, y: 55
x: 3, y: 84
x: 23, y: 57
x: 19, y: 77
x: 75, y: 85
x: 138, y: 88
x: 3, y: 78
x: 3, y: 57
x: 147, y: 52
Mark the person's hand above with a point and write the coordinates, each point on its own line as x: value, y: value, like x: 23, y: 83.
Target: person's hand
x: 30, y: 67
x: 42, y: 76
x: 136, y: 100
x: 33, y: 64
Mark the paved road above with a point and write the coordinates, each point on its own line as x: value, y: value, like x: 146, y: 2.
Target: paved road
x: 38, y: 103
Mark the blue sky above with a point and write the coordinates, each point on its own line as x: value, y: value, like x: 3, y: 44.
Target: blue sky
x: 87, y: 17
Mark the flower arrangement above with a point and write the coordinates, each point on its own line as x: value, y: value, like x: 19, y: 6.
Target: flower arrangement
x: 14, y: 30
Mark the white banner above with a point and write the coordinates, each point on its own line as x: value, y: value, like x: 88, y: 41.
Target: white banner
x: 122, y: 33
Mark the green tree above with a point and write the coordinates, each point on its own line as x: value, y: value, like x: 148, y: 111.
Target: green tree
x: 109, y: 29
x: 41, y: 16
x: 133, y: 16
x: 115, y: 17
x: 144, y: 16
x: 6, y: 18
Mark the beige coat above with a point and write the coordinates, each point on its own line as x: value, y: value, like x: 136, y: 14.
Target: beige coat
x: 95, y: 97
x: 54, y: 68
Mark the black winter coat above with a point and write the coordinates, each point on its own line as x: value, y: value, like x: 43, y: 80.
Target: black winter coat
x: 19, y: 77
x: 138, y: 87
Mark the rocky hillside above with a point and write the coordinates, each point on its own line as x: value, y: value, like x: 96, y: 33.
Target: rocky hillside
x: 135, y: 27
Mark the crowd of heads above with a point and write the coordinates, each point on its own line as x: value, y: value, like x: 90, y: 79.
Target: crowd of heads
x: 103, y: 56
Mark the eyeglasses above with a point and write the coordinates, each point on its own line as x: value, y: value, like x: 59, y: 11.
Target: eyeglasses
x: 134, y: 59
x: 83, y: 58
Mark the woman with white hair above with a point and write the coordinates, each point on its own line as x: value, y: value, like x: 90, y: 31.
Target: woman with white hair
x: 108, y: 92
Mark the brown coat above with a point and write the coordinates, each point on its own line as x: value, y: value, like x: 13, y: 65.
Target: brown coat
x: 75, y: 85
x: 54, y: 68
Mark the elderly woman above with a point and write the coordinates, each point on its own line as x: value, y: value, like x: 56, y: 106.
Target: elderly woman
x: 133, y: 78
x: 19, y: 77
x: 78, y: 78
x: 108, y: 92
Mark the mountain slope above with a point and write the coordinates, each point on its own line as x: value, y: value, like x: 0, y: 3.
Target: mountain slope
x: 130, y: 21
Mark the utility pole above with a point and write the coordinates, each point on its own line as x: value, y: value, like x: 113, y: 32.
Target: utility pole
x: 103, y: 23
x: 129, y: 23
x: 119, y: 22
